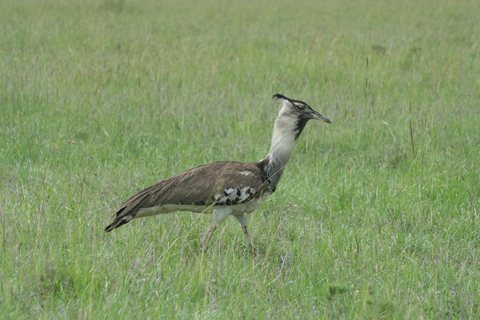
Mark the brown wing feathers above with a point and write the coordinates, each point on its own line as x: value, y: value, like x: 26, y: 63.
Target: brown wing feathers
x: 196, y: 186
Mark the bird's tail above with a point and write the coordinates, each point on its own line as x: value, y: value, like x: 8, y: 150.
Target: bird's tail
x: 115, y: 224
x: 119, y: 221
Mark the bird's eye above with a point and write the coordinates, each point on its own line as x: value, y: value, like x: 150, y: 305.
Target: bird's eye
x: 300, y: 107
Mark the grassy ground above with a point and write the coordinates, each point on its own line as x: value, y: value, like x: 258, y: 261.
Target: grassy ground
x: 376, y: 216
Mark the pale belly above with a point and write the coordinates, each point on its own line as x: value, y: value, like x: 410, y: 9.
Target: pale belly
x: 237, y: 209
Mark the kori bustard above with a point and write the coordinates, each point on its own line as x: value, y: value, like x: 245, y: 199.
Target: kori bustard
x: 226, y: 188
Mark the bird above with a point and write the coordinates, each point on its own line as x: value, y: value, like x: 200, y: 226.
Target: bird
x: 225, y: 188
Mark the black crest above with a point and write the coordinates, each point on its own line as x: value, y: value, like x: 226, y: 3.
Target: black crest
x: 277, y: 96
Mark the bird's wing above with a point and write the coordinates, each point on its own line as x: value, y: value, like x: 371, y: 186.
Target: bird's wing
x: 203, y: 185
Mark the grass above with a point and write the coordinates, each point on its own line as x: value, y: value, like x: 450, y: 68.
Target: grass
x: 376, y: 215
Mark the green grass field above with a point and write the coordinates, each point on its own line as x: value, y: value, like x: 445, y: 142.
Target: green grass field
x: 376, y: 216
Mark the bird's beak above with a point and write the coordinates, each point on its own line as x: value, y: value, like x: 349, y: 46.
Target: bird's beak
x: 317, y: 116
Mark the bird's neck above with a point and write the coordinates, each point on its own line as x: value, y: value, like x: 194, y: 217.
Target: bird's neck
x: 283, y: 142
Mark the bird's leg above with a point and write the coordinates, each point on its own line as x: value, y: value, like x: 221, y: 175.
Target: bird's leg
x: 244, y: 220
x: 218, y: 216
x: 206, y: 237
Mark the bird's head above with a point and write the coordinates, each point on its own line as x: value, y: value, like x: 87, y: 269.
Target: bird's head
x: 296, y: 113
x: 297, y: 109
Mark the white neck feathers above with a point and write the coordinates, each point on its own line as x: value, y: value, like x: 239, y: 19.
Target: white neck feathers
x: 283, y: 140
x: 283, y: 143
